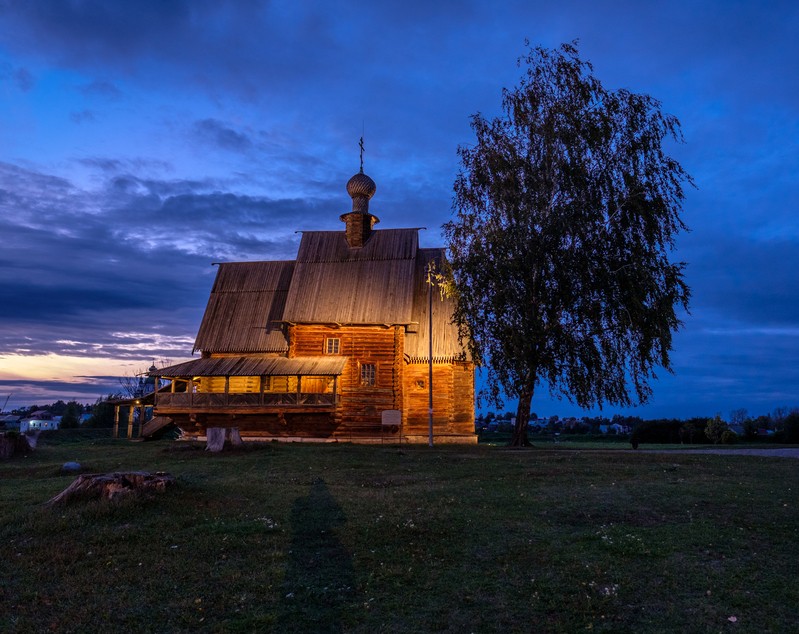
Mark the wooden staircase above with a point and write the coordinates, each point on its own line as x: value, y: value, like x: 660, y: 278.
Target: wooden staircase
x: 153, y: 425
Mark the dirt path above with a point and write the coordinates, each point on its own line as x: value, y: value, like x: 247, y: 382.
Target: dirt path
x: 786, y: 452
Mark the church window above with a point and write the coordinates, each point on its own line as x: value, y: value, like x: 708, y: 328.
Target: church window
x: 333, y: 345
x: 368, y: 374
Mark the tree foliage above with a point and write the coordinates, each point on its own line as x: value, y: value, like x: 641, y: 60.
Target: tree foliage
x: 103, y: 411
x: 739, y: 416
x: 566, y: 210
x: 715, y: 429
x: 791, y: 427
x: 71, y: 415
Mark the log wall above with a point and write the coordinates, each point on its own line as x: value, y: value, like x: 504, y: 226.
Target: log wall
x: 453, y: 398
x: 398, y: 385
x: 278, y: 424
x: 360, y: 406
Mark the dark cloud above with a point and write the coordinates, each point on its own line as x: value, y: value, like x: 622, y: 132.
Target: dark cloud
x: 129, y: 260
x: 82, y: 116
x: 744, y: 281
x: 44, y: 301
x: 107, y: 165
x: 22, y: 78
x: 27, y: 392
x: 216, y: 133
x: 100, y: 88
x: 95, y: 28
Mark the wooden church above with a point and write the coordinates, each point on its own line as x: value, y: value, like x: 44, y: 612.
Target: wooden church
x: 340, y: 343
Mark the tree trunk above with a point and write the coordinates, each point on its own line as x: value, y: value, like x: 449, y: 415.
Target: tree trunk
x: 519, y: 438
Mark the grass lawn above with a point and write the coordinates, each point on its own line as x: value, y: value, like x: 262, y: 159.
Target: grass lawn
x: 328, y: 538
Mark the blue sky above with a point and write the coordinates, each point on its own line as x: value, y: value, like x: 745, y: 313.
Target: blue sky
x: 140, y: 142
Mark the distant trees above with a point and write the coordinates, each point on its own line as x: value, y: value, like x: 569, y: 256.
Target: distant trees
x: 138, y: 383
x: 715, y: 428
x: 57, y: 409
x: 751, y: 425
x: 69, y: 411
x: 739, y: 416
x: 778, y: 417
x: 135, y: 385
x: 657, y: 431
x: 693, y: 430
x: 103, y: 411
x: 790, y: 427
x: 71, y: 416
x: 782, y: 425
x: 696, y: 430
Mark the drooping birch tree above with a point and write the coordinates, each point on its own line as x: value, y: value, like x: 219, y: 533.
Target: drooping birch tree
x: 566, y: 209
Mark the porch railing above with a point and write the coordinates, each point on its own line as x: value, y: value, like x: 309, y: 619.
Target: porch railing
x: 249, y: 399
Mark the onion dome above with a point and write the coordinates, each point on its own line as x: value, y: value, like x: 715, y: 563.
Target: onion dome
x: 361, y: 188
x: 359, y: 221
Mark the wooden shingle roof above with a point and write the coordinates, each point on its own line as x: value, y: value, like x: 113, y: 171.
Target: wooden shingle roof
x: 333, y: 283
x: 384, y: 282
x: 446, y: 347
x: 255, y: 366
x: 383, y: 244
x: 245, y: 308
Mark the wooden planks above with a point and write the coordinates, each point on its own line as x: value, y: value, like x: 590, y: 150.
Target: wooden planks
x: 359, y: 345
x: 446, y: 345
x: 246, y: 303
x: 453, y: 398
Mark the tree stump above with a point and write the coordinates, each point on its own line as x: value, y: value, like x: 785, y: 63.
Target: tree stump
x: 31, y: 438
x: 234, y: 436
x: 112, y: 486
x: 12, y: 443
x: 214, y: 439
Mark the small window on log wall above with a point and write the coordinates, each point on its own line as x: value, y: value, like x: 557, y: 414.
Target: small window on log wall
x: 368, y: 374
x: 332, y: 345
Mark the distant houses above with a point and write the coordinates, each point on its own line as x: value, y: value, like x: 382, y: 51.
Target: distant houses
x: 9, y: 421
x: 614, y: 428
x: 57, y: 415
x: 39, y: 420
x: 35, y: 424
x: 555, y: 424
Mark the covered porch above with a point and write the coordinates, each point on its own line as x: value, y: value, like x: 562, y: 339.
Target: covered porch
x: 135, y: 412
x: 249, y: 385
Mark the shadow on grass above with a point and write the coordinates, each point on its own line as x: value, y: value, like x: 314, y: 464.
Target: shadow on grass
x: 319, y: 583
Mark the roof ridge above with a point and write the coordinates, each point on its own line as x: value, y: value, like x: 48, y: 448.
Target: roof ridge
x: 255, y: 290
x: 340, y: 261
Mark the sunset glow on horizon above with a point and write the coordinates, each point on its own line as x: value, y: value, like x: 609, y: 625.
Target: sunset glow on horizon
x: 41, y: 378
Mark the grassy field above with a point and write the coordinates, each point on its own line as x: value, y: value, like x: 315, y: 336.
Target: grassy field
x: 329, y: 538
